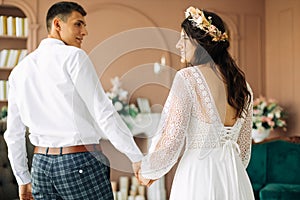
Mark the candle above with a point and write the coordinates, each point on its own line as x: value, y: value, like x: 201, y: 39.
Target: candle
x: 114, y: 186
x: 119, y: 194
x: 141, y: 190
x: 115, y: 195
x: 124, y: 181
x: 130, y: 198
x: 156, y: 68
x: 163, y: 61
x: 134, y: 181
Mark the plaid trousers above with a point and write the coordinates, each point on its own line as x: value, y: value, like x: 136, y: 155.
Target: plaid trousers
x: 81, y: 176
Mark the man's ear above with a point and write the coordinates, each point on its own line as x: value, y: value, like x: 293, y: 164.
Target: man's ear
x: 56, y: 24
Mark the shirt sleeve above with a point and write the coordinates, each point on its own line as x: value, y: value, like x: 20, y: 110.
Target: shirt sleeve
x: 245, y: 140
x: 15, y: 139
x: 88, y: 86
x: 173, y: 125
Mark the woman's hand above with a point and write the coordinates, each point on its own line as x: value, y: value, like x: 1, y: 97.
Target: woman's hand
x: 144, y: 181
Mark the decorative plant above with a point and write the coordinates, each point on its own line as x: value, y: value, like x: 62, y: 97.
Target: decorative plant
x: 267, y: 114
x: 119, y: 99
x: 3, y: 113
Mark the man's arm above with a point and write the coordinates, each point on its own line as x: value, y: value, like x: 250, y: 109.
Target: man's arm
x: 15, y: 139
x: 88, y: 86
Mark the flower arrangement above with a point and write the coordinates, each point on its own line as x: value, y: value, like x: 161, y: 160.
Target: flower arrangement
x: 3, y: 113
x: 267, y: 114
x: 120, y: 100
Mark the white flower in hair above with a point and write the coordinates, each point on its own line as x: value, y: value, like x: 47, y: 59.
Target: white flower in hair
x: 199, y: 20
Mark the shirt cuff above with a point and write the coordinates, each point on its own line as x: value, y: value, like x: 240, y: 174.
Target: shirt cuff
x: 135, y: 157
x: 23, y: 178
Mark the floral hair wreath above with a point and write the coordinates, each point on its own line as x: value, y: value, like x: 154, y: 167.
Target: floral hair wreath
x: 199, y: 20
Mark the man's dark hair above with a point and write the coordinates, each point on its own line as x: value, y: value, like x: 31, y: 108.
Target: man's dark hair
x: 62, y: 10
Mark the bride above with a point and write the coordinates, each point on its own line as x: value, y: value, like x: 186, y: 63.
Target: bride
x: 207, y: 116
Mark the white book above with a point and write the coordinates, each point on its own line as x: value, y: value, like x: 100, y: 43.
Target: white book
x: 2, y: 57
x: 1, y: 90
x: 7, y: 88
x: 23, y: 53
x: 18, y: 52
x: 12, y: 59
x: 26, y: 27
x: 4, y: 90
x: 11, y: 26
x: 19, y: 26
x: 4, y: 54
x: 3, y: 25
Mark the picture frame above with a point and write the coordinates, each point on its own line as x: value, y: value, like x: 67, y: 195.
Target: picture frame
x: 144, y: 105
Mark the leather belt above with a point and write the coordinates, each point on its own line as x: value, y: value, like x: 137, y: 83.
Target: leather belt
x: 67, y: 150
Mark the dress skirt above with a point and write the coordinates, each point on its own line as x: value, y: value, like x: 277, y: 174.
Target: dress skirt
x: 211, y: 175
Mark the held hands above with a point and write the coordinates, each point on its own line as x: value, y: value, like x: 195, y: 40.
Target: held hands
x: 25, y: 192
x: 144, y: 181
x: 136, y: 169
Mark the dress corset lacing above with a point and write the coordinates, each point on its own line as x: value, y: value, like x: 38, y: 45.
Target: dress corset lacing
x: 230, y: 148
x: 228, y: 142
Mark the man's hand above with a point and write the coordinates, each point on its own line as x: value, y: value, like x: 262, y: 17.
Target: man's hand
x: 136, y: 167
x: 25, y: 192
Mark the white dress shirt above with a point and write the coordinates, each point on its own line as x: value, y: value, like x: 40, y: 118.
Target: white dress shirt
x: 56, y: 93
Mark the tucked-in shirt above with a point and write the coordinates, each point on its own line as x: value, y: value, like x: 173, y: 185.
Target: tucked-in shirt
x: 56, y: 93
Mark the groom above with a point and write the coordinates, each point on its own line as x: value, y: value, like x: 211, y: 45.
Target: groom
x: 56, y: 93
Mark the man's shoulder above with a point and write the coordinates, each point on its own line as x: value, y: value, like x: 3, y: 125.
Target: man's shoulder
x: 59, y: 47
x: 73, y: 51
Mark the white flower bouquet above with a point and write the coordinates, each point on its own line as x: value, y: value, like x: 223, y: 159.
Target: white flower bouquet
x: 267, y: 114
x: 120, y: 100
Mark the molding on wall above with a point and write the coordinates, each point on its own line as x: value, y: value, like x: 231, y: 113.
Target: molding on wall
x: 100, y: 6
x: 231, y: 20
x: 149, y: 24
x: 286, y: 56
x: 234, y: 34
x: 254, y: 30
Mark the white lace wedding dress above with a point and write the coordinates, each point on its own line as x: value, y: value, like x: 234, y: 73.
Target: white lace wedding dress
x: 213, y: 163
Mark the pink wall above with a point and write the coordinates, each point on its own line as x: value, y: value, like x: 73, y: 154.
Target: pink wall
x: 265, y: 43
x: 282, y: 57
x: 107, y: 18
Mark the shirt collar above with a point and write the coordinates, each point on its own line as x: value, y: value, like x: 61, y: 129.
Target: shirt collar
x: 51, y: 41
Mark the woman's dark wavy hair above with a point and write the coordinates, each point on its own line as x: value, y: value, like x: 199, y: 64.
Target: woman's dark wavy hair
x: 238, y: 94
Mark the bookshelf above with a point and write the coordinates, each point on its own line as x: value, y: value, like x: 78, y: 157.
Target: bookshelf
x: 10, y: 42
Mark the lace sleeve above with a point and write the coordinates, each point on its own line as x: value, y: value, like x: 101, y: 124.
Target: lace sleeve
x: 173, y: 124
x: 244, y: 139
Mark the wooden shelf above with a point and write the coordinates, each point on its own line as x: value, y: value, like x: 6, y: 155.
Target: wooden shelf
x: 4, y: 72
x: 6, y: 37
x: 13, y: 42
x: 3, y: 103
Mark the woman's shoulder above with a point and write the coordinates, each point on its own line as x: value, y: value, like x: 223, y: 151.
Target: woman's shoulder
x: 186, y: 72
x: 187, y: 76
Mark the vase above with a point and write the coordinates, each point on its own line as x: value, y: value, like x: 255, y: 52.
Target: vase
x: 259, y: 135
